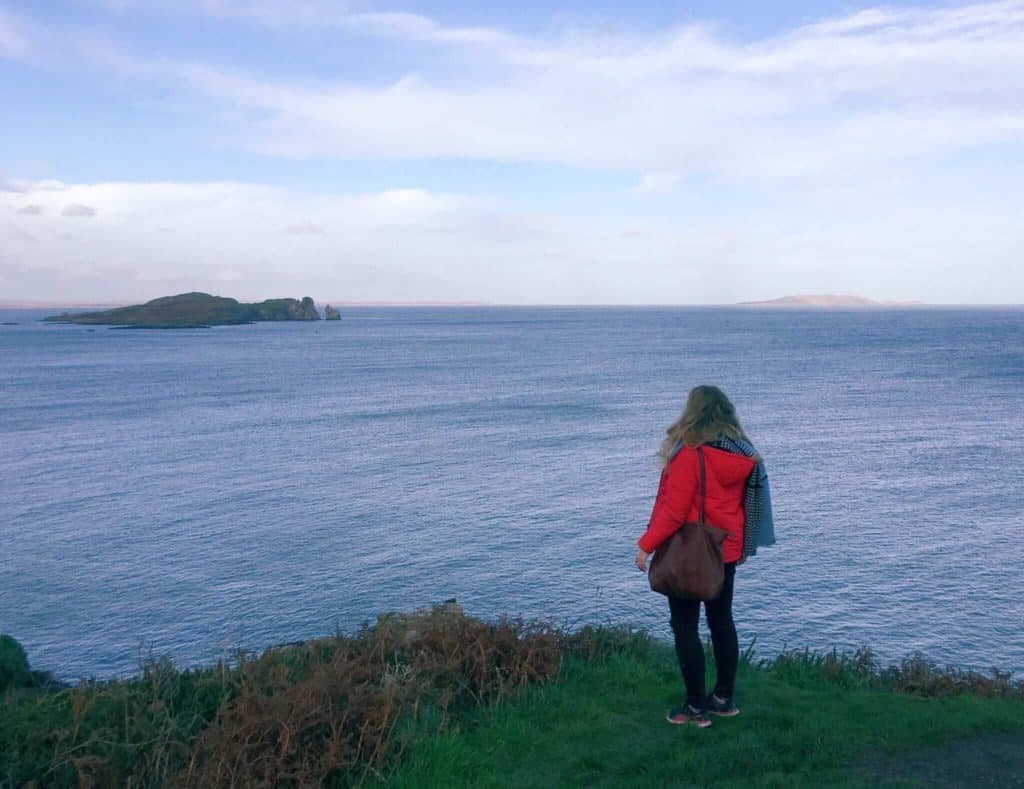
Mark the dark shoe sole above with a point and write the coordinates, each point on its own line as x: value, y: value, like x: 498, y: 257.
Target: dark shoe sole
x: 688, y: 721
x: 725, y: 713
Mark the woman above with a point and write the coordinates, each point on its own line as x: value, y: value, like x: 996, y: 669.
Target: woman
x: 738, y: 500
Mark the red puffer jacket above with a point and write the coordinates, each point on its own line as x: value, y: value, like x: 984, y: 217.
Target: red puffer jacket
x: 678, y: 499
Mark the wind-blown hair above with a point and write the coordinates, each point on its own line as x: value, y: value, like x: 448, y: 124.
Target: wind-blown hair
x: 707, y: 414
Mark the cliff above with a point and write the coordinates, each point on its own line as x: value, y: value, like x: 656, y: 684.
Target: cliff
x: 195, y: 310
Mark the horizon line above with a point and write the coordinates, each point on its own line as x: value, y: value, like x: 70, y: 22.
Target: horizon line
x: 756, y: 305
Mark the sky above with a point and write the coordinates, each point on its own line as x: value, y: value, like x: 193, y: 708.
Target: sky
x: 597, y: 152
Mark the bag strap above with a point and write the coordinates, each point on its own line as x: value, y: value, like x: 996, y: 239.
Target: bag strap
x: 703, y: 485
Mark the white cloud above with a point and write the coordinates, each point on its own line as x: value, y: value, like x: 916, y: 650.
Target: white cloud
x: 414, y: 245
x: 156, y: 236
x: 833, y: 157
x: 317, y: 14
x: 836, y: 97
x: 30, y: 210
x: 657, y: 183
x: 78, y: 210
x: 304, y: 229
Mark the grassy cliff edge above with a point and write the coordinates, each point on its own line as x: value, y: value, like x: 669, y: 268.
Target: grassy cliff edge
x: 438, y: 698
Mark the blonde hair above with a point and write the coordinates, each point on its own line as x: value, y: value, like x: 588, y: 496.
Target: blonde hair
x: 707, y: 414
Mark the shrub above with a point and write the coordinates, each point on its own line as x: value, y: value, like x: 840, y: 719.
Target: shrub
x: 914, y: 675
x: 14, y: 670
x: 922, y: 678
x: 330, y: 711
x: 336, y: 710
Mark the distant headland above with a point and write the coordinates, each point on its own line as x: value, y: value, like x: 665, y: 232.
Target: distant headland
x: 827, y: 300
x: 195, y: 311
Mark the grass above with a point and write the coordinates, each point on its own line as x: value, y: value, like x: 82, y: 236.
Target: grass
x: 437, y: 698
x: 807, y: 720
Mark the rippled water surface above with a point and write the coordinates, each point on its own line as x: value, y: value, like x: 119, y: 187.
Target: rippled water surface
x: 194, y: 490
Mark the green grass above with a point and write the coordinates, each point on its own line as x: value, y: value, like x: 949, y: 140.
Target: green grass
x: 603, y: 724
x: 437, y: 698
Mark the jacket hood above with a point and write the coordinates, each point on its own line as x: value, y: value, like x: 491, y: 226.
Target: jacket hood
x: 729, y: 468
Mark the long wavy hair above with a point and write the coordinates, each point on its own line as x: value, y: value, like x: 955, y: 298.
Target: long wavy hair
x: 708, y: 413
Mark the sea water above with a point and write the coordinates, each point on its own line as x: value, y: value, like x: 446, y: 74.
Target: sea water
x: 189, y: 491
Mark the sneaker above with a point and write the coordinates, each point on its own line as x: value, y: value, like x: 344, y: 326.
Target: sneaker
x: 688, y: 714
x: 725, y: 708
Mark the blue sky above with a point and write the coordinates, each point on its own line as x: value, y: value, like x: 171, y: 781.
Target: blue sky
x: 511, y: 152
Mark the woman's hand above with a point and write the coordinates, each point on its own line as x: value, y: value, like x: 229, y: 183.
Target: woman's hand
x: 641, y: 560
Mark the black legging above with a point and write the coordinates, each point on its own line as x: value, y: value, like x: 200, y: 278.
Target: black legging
x: 690, y: 651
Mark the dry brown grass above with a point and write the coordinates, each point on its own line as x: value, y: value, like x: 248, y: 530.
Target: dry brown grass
x: 339, y: 710
x: 333, y: 711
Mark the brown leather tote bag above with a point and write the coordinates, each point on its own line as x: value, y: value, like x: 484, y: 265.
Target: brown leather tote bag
x: 689, y: 563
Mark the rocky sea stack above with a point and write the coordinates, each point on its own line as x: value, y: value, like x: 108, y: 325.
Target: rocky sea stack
x: 331, y: 314
x: 195, y: 310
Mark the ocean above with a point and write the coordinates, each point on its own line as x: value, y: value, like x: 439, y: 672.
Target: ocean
x: 187, y: 492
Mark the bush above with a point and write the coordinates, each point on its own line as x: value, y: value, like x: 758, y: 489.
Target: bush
x: 922, y: 678
x: 14, y: 670
x: 330, y: 711
x: 335, y: 710
x: 914, y: 675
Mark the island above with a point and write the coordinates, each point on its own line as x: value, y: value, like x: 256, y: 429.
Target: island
x: 331, y: 314
x: 826, y: 300
x: 195, y: 310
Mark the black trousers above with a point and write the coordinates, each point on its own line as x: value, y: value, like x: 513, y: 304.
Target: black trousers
x: 690, y: 651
